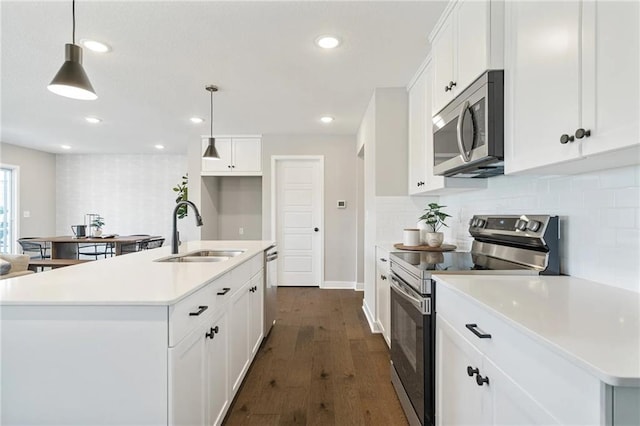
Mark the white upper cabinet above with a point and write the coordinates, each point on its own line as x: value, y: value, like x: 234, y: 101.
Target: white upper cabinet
x: 571, y: 85
x: 421, y: 177
x: 238, y: 156
x: 467, y: 41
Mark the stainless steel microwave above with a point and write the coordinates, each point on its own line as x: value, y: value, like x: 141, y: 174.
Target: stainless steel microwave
x: 468, y: 134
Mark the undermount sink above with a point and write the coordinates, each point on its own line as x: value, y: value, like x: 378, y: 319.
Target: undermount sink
x: 202, y: 256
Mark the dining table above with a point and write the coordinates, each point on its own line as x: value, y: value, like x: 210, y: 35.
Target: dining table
x: 66, y: 246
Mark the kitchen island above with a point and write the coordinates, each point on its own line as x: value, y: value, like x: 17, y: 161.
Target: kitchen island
x: 130, y: 340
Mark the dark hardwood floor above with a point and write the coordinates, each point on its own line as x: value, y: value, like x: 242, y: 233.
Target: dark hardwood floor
x: 320, y: 365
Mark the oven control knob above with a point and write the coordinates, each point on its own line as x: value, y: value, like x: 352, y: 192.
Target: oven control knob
x: 481, y: 223
x: 472, y: 221
x: 521, y: 225
x: 534, y: 226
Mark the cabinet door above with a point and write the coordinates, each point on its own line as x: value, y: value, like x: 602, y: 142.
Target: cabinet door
x: 188, y: 380
x: 239, y: 343
x: 217, y: 367
x: 442, y: 54
x: 510, y: 404
x: 611, y: 110
x: 472, y: 41
x: 459, y: 399
x: 223, y: 145
x: 542, y: 84
x: 419, y: 125
x: 256, y: 313
x: 247, y: 155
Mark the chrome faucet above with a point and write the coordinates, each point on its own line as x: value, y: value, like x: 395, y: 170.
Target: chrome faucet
x: 175, y: 237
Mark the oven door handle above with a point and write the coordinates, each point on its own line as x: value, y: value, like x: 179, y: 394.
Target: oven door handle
x: 463, y: 111
x: 424, y: 308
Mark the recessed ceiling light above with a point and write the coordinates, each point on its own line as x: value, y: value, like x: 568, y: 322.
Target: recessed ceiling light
x: 95, y: 46
x: 159, y: 146
x: 328, y: 42
x: 65, y: 146
x: 326, y: 119
x: 93, y: 120
x: 197, y: 120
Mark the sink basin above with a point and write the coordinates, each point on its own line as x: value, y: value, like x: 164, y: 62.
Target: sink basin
x: 203, y: 256
x: 194, y: 259
x: 215, y: 253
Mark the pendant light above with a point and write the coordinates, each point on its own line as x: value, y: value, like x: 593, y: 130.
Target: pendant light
x: 211, y: 152
x: 71, y: 81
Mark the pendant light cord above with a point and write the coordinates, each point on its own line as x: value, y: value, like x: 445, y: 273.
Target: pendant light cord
x: 211, y: 134
x: 73, y: 15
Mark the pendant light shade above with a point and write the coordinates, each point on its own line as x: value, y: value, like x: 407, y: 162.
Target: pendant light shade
x: 211, y: 152
x: 71, y: 81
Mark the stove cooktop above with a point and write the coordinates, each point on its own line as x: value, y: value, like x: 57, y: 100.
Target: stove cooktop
x: 427, y: 263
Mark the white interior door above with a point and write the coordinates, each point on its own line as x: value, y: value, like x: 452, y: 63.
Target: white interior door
x: 298, y: 222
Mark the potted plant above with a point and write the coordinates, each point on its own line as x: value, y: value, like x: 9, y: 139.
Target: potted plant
x: 97, y: 223
x: 430, y: 222
x: 183, y: 195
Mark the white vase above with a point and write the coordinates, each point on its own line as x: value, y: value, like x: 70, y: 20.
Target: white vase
x: 423, y: 227
x: 97, y: 232
x: 434, y: 239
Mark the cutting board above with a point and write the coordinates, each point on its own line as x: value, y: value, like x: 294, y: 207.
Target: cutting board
x: 444, y: 247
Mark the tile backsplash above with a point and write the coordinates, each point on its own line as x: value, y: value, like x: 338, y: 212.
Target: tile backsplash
x: 599, y: 218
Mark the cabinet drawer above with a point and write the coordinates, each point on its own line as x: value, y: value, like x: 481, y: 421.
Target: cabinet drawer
x: 568, y: 392
x: 382, y: 261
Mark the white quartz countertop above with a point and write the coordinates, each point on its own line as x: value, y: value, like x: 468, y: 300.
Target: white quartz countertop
x: 592, y: 325
x: 131, y: 279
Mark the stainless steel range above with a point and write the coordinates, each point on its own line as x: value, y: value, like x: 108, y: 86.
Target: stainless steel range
x: 503, y: 245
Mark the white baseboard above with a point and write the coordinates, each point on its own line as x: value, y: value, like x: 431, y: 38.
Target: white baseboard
x: 359, y: 286
x: 339, y: 285
x: 373, y: 325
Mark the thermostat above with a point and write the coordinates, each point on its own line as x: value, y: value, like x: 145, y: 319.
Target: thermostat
x: 342, y: 204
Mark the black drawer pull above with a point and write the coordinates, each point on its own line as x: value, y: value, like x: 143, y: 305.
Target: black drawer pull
x: 210, y: 334
x: 473, y: 328
x: 216, y: 329
x: 224, y: 291
x: 383, y: 277
x: 382, y: 259
x: 471, y: 371
x: 481, y: 380
x: 201, y: 309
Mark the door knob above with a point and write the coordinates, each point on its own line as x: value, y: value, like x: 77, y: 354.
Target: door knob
x: 316, y: 229
x: 566, y: 138
x: 581, y: 133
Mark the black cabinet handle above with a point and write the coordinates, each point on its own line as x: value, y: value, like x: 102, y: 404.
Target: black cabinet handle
x: 383, y: 277
x: 229, y: 166
x: 253, y: 289
x: 481, y: 380
x: 210, y: 334
x: 233, y: 167
x: 447, y: 88
x: 471, y: 371
x: 473, y: 328
x: 224, y: 291
x: 452, y: 84
x: 316, y: 229
x: 216, y: 329
x: 382, y: 259
x: 201, y: 309
x: 566, y: 138
x: 582, y: 133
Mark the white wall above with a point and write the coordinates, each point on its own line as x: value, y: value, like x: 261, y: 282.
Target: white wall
x: 599, y: 218
x: 37, y: 189
x: 132, y: 192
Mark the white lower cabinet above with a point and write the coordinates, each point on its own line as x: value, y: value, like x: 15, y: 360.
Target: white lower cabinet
x: 472, y: 390
x: 198, y: 387
x: 383, y: 293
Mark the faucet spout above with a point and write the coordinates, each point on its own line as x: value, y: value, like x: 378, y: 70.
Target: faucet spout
x: 174, y: 235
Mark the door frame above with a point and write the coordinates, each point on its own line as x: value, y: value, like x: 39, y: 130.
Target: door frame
x: 15, y: 226
x: 274, y: 189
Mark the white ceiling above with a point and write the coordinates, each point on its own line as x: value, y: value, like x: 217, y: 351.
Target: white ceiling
x: 272, y: 77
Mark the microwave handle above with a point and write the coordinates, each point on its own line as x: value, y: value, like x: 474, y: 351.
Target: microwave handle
x: 463, y: 112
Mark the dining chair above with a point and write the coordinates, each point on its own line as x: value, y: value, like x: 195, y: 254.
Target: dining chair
x: 136, y: 246
x: 38, y: 248
x: 95, y: 250
x: 154, y: 243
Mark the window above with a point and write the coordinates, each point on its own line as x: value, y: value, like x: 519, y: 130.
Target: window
x: 8, y: 208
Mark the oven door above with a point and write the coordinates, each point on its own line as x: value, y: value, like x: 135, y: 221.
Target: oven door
x: 412, y: 347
